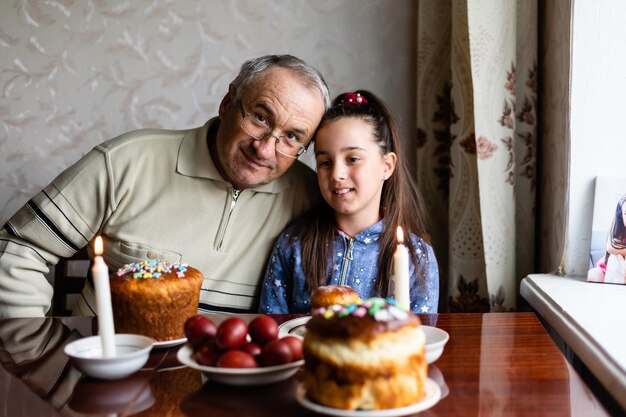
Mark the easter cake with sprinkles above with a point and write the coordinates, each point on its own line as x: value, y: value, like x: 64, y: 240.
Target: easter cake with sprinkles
x: 369, y: 355
x: 154, y: 298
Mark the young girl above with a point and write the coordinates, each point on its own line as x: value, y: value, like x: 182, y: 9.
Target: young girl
x: 368, y: 192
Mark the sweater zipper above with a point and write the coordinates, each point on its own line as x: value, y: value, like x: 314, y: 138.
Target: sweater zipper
x: 344, y: 269
x: 233, y: 201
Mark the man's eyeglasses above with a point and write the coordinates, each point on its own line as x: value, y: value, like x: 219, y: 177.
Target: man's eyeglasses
x: 258, y: 127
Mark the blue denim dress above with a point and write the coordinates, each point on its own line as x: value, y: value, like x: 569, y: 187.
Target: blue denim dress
x: 355, y: 263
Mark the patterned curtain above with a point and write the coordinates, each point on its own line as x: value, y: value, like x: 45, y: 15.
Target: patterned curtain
x: 476, y: 145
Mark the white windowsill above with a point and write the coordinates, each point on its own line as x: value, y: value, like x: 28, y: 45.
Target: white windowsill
x: 590, y: 318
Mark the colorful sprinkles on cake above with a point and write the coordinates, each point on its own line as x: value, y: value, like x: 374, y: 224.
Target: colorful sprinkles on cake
x: 152, y: 269
x: 380, y: 308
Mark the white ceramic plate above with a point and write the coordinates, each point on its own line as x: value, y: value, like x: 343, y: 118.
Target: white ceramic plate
x: 436, y: 338
x: 293, y: 327
x: 242, y: 377
x: 169, y: 343
x: 433, y: 393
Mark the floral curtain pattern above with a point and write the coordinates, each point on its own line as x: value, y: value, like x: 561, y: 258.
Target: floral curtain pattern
x: 476, y: 145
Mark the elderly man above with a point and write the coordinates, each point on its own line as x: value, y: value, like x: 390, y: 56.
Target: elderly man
x: 214, y: 197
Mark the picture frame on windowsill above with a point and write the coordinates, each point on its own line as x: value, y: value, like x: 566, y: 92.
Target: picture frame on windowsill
x: 607, y: 255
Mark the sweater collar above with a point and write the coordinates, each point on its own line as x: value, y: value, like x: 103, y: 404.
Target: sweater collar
x: 194, y: 160
x: 373, y: 231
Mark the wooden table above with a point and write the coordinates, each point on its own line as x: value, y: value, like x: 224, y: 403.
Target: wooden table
x: 495, y: 364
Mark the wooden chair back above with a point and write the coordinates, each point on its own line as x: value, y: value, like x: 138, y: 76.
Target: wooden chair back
x: 69, y: 278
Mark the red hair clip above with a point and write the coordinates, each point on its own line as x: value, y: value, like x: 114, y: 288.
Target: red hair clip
x: 354, y: 99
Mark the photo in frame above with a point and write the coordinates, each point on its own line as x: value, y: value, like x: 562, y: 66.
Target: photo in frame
x: 607, y: 255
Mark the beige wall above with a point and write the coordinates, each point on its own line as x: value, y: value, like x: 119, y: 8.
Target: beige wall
x: 583, y: 60
x: 597, y: 103
x: 78, y: 72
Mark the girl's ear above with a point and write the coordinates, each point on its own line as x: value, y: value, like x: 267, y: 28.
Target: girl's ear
x: 389, y: 161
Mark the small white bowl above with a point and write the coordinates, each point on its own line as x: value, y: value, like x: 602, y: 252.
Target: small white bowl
x: 436, y: 339
x: 239, y: 376
x: 132, y: 353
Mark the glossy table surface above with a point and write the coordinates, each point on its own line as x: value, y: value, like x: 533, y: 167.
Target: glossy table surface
x: 495, y: 364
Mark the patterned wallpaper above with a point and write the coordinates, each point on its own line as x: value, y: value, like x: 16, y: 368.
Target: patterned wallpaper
x: 76, y: 72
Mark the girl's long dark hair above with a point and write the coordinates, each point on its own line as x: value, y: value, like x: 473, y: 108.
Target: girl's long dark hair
x: 402, y: 203
x: 618, y: 230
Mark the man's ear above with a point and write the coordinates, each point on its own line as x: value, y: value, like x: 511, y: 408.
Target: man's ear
x: 227, y: 100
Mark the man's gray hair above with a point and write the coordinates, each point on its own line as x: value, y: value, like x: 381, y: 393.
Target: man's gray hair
x: 252, y: 68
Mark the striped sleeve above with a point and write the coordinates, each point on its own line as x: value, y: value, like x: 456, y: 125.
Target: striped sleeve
x: 54, y: 224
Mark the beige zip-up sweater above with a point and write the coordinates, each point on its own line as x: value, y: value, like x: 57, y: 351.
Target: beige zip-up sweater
x: 151, y: 194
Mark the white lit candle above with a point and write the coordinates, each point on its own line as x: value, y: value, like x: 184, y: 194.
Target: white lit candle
x: 100, y: 274
x: 401, y: 273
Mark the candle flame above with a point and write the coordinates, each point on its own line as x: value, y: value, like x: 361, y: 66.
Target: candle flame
x: 98, y: 246
x: 400, y: 235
